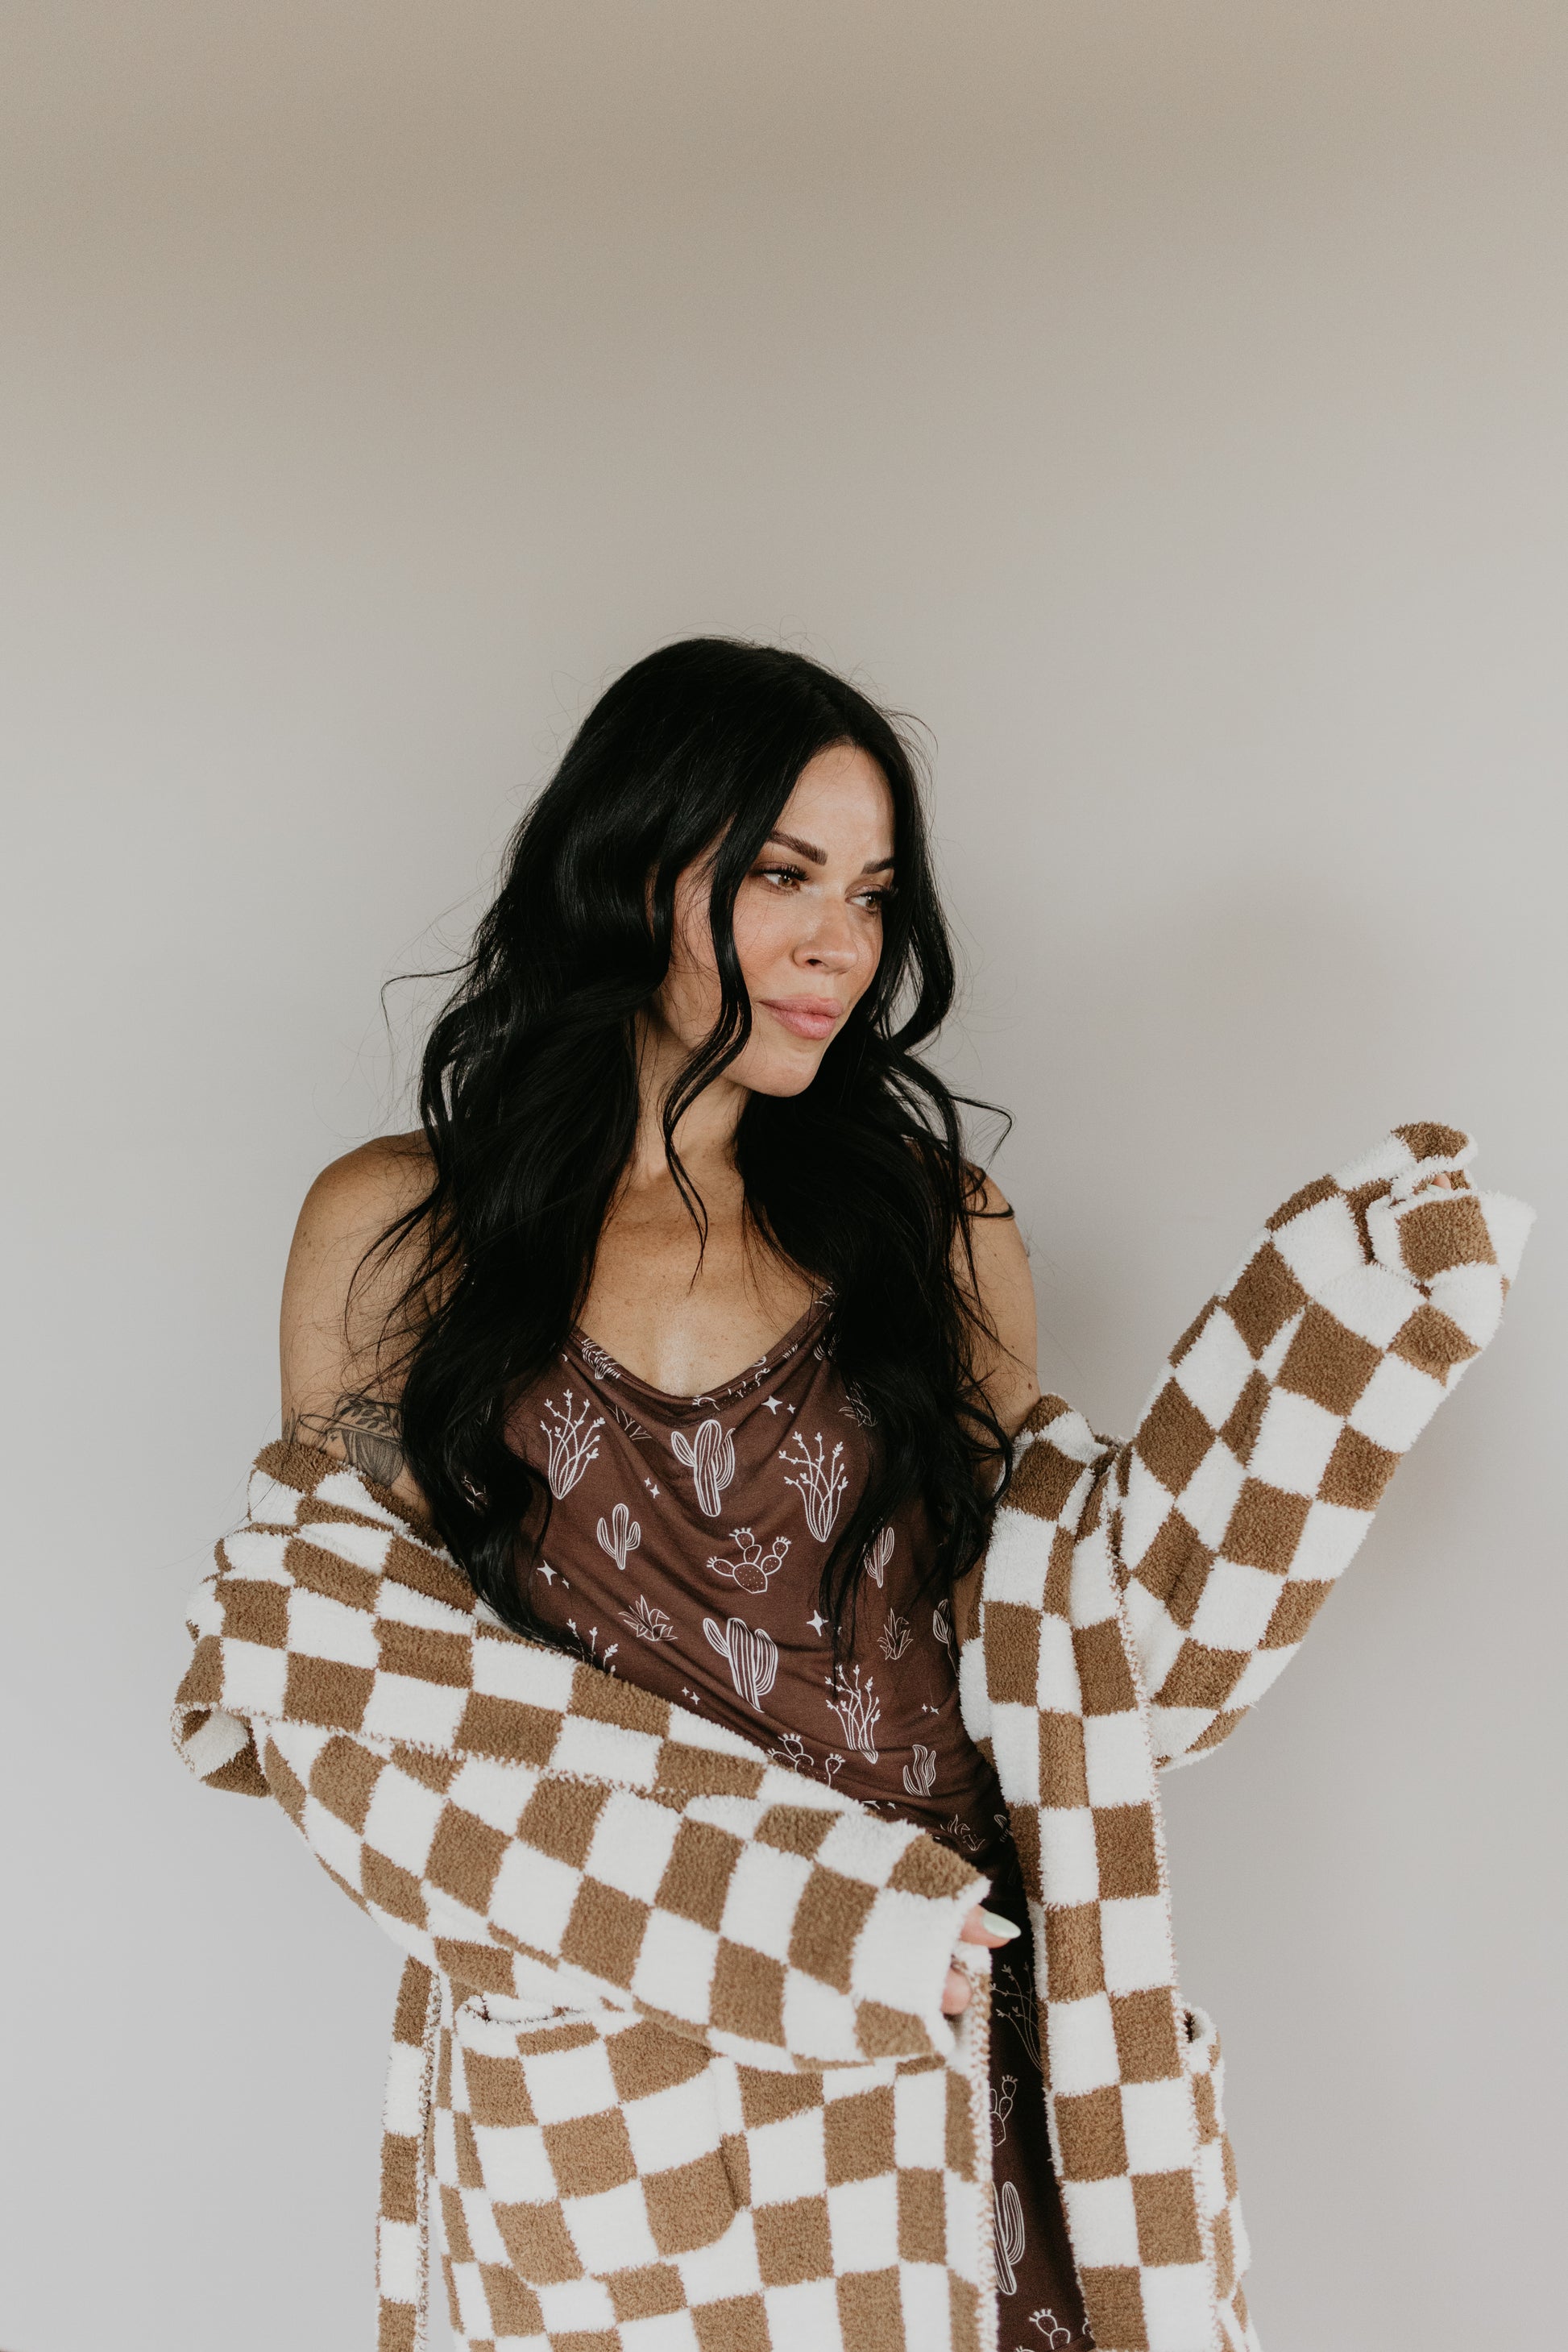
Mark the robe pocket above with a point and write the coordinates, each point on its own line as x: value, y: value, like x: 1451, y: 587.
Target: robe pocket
x: 1217, y: 2198
x: 601, y: 2140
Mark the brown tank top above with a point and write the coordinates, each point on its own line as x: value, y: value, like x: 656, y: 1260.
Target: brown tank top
x: 686, y: 1539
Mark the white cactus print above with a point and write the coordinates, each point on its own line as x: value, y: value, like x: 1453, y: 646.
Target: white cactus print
x: 589, y: 1645
x: 819, y: 1479
x: 941, y: 1626
x: 710, y: 1458
x: 1001, y: 2099
x: 1056, y: 2337
x: 879, y: 1552
x: 753, y: 1654
x: 648, y: 1623
x: 754, y: 1568
x: 894, y: 1637
x: 856, y: 1406
x: 622, y: 1536
x: 858, y: 1708
x: 573, y: 1443
x: 1009, y: 2234
x: 919, y: 1777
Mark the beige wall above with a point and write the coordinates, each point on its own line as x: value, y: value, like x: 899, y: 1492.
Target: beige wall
x: 1164, y: 400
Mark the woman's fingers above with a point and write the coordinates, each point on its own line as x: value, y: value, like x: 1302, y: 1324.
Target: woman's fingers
x: 982, y: 1927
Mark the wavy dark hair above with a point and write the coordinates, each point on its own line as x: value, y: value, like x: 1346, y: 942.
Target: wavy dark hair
x: 529, y: 1102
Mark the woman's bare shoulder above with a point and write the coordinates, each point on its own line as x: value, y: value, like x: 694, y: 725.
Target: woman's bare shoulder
x: 341, y: 1369
x: 366, y: 1190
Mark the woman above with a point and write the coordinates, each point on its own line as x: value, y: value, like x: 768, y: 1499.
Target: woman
x: 681, y: 1365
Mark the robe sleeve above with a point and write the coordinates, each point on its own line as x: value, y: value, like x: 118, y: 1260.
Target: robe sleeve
x: 1282, y: 1413
x: 537, y: 1829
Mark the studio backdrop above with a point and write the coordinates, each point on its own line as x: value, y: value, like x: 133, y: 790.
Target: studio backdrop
x: 1163, y: 399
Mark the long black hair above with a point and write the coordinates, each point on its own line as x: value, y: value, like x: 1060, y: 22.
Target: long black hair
x: 529, y: 1103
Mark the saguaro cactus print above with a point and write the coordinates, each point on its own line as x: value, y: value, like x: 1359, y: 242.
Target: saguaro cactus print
x: 622, y: 1536
x: 1009, y: 2235
x: 710, y: 1458
x: 754, y: 1657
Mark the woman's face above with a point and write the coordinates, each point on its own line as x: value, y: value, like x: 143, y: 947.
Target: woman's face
x: 807, y: 924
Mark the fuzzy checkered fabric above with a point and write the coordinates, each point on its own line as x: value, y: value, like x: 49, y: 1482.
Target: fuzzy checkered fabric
x: 670, y: 2033
x: 1135, y: 1601
x: 669, y: 2068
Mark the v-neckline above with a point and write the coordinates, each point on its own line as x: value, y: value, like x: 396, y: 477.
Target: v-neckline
x: 599, y: 1360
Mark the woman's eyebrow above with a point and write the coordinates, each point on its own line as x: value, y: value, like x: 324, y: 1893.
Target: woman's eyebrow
x: 815, y: 856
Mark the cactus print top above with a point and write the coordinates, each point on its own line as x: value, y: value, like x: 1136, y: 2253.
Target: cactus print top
x: 685, y: 1542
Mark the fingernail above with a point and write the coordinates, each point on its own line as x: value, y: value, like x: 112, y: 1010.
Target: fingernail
x: 1006, y: 1928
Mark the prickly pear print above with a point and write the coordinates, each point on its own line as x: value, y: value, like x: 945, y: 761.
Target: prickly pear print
x: 573, y: 1443
x: 879, y: 1552
x: 1002, y: 2097
x: 819, y: 1479
x: 753, y: 1654
x: 710, y: 1458
x: 622, y: 1536
x: 754, y: 1568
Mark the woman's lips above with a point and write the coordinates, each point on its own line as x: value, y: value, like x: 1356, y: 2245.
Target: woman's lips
x: 805, y: 1016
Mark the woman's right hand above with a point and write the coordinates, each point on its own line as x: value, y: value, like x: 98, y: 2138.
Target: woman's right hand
x: 980, y: 1927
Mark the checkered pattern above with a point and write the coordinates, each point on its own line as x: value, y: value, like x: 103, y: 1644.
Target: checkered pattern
x: 1135, y: 1601
x: 1263, y: 1452
x: 669, y: 2043
x: 601, y: 2181
x: 542, y: 1837
x: 1218, y: 2202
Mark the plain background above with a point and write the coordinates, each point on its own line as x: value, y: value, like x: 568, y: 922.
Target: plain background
x: 1165, y: 400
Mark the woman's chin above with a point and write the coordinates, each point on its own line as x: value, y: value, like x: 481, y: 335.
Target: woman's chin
x: 781, y: 1070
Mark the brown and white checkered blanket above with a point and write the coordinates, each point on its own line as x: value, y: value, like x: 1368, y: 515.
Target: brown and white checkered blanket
x: 670, y: 2048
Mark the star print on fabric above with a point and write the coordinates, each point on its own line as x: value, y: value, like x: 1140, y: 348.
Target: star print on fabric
x: 649, y: 1484
x: 816, y: 1621
x: 772, y: 1404
x: 547, y: 1572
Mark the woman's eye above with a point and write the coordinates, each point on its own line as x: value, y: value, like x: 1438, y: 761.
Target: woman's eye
x: 778, y: 874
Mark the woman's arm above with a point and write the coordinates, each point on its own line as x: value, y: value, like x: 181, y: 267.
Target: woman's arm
x: 527, y: 1824
x: 1004, y: 1290
x: 1283, y: 1410
x: 341, y: 1365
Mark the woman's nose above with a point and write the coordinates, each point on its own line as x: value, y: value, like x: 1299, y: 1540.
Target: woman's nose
x: 830, y: 943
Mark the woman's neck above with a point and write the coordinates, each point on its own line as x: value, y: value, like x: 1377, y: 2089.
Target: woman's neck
x: 705, y: 1132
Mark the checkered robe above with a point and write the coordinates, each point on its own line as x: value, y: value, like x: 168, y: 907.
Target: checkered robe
x: 669, y: 2065
x: 1135, y: 1601
x: 668, y: 2045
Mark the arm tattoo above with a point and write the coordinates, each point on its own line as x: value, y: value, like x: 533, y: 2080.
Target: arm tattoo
x: 367, y: 1432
